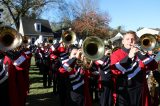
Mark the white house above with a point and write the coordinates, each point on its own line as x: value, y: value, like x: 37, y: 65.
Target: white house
x: 34, y: 28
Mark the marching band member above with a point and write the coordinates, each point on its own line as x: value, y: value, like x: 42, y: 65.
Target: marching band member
x: 129, y: 68
x: 12, y: 84
x: 60, y: 53
x: 79, y: 88
x: 105, y: 81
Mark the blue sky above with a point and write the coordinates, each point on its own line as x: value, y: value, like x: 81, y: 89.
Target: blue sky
x: 132, y: 14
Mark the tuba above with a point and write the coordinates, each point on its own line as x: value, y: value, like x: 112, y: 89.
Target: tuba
x: 9, y: 38
x: 93, y: 48
x: 68, y: 37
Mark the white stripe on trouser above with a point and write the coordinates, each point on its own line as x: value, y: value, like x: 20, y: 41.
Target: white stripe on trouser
x: 78, y: 85
x: 4, y: 78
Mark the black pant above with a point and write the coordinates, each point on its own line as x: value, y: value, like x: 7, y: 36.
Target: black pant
x: 106, y: 97
x: 77, y: 97
x: 47, y: 78
x: 4, y: 96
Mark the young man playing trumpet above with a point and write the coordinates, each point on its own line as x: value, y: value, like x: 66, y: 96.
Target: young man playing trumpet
x: 129, y: 66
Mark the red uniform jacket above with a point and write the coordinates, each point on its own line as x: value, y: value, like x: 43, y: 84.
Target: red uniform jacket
x: 133, y: 71
x: 15, y: 94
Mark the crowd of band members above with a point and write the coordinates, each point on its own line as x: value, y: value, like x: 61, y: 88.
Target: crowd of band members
x: 14, y: 76
x: 116, y: 79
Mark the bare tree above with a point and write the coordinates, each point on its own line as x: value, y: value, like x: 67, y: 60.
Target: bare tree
x: 30, y: 8
x: 84, y: 17
x: 80, y: 7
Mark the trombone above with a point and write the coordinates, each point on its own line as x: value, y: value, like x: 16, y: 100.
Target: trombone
x: 9, y: 38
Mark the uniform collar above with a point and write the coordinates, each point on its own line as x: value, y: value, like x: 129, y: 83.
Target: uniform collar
x: 125, y: 49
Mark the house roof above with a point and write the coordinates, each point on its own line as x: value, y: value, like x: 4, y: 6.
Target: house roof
x: 118, y: 36
x: 29, y: 29
x: 147, y: 31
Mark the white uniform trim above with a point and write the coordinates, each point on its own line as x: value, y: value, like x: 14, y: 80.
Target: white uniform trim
x: 19, y: 61
x: 28, y: 52
x: 52, y: 47
x: 78, y: 85
x: 100, y: 62
x: 6, y: 75
x: 130, y: 76
x: 147, y: 60
x: 4, y: 78
x: 120, y: 67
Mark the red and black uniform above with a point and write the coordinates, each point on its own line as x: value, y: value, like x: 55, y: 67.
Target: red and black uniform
x: 28, y: 55
x: 12, y: 81
x: 47, y: 78
x: 4, y: 85
x: 38, y: 57
x: 60, y: 54
x: 79, y: 87
x: 54, y: 65
x: 129, y: 78
x: 105, y: 81
x: 21, y: 64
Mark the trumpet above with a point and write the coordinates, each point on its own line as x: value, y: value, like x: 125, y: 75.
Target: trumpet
x: 9, y: 38
x: 68, y: 37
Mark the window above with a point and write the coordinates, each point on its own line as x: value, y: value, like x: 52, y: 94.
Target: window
x: 33, y: 40
x: 37, y: 27
x: 45, y: 39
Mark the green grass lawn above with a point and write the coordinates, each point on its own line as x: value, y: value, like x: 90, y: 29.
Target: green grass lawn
x: 39, y: 96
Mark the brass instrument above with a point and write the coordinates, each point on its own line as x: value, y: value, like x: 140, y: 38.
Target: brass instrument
x: 93, y: 48
x: 26, y: 40
x: 149, y: 42
x: 50, y: 40
x: 108, y: 44
x: 9, y: 38
x: 152, y: 85
x: 68, y: 37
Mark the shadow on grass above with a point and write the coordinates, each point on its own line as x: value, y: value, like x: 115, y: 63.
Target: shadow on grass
x: 36, y: 80
x: 47, y: 99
